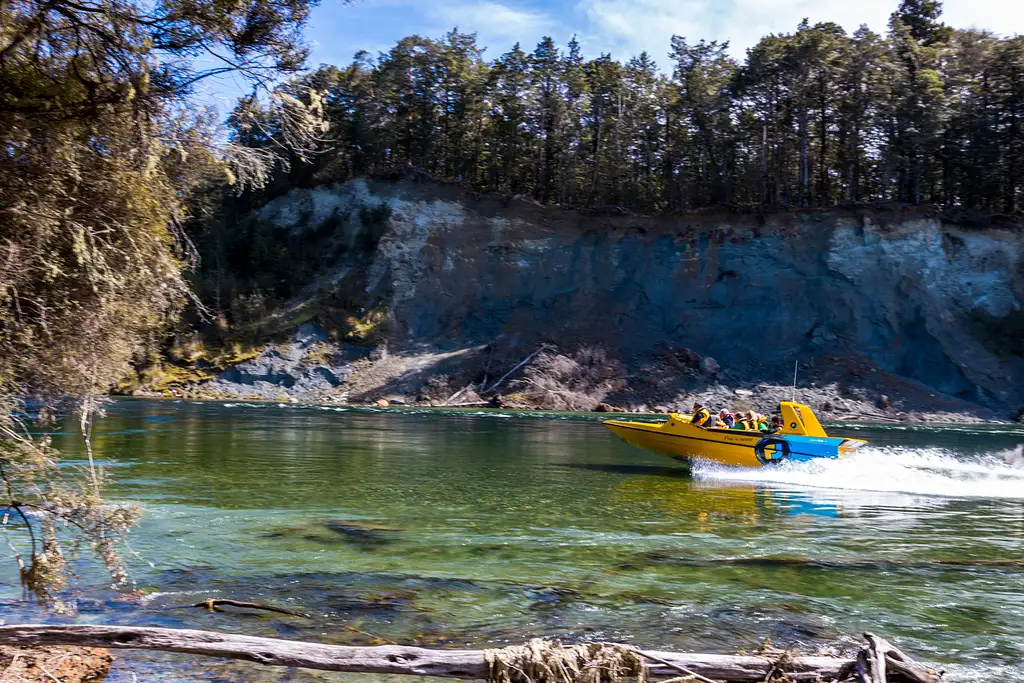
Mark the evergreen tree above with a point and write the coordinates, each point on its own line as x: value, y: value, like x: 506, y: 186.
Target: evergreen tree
x: 545, y: 78
x: 704, y: 73
x: 924, y: 114
x: 641, y: 131
x: 509, y: 87
x: 921, y: 18
x: 604, y: 86
x: 917, y: 40
x: 1007, y: 86
x: 572, y: 183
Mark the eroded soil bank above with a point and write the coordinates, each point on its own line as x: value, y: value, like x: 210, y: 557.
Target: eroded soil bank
x: 432, y: 295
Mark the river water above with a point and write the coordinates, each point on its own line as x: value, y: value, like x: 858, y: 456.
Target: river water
x: 488, y: 528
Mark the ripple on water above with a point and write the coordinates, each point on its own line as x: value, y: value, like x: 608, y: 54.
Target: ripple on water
x: 445, y: 527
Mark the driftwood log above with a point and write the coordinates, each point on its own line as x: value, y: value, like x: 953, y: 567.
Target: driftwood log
x: 464, y: 664
x: 385, y: 659
x: 487, y: 390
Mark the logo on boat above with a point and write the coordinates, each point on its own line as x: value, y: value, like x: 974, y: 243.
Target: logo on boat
x: 780, y: 450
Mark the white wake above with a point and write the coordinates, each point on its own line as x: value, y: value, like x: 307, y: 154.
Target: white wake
x: 916, y: 471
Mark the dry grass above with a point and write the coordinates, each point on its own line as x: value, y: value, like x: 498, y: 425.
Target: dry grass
x: 575, y: 382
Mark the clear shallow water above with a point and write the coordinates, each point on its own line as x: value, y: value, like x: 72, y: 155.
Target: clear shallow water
x: 487, y: 528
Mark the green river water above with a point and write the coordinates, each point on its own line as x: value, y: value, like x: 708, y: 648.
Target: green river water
x: 487, y: 528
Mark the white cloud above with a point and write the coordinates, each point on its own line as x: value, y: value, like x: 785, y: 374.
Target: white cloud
x: 627, y: 27
x: 498, y: 26
x: 622, y: 27
x: 1005, y: 17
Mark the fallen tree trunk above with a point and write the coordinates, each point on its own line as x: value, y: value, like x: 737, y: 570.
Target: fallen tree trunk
x: 460, y: 392
x: 394, y: 659
x: 509, y: 373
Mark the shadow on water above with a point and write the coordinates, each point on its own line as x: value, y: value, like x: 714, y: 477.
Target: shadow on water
x: 372, y: 608
x: 691, y: 494
x: 361, y: 535
x: 679, y: 494
x: 813, y: 563
x: 616, y: 468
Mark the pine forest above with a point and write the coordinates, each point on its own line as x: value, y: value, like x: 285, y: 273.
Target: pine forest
x: 924, y: 114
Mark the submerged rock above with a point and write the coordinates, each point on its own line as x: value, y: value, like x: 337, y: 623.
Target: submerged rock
x: 366, y: 535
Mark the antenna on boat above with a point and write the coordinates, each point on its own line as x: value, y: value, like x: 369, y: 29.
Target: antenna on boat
x: 796, y: 366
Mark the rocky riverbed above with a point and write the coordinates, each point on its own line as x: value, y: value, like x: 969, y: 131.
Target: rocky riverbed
x: 54, y: 663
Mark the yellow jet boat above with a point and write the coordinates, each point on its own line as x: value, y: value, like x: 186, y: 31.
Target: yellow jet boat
x: 801, y: 438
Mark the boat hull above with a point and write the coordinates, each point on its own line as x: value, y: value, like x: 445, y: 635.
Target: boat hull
x: 735, y: 449
x: 679, y: 439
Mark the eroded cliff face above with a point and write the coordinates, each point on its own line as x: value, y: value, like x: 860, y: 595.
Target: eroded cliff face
x: 926, y: 300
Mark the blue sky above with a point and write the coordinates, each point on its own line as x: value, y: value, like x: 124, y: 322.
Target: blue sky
x: 623, y: 27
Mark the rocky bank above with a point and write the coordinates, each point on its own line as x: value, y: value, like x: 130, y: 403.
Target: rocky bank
x: 892, y: 313
x: 63, y: 664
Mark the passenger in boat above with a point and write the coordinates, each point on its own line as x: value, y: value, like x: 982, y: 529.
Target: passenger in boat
x: 725, y: 419
x: 701, y: 416
x: 776, y: 424
x: 745, y: 421
x: 762, y: 423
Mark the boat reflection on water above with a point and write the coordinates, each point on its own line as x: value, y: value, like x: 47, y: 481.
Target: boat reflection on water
x: 678, y: 493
